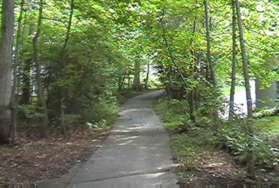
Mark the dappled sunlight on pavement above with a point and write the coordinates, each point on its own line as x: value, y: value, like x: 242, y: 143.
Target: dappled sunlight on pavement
x: 135, y: 155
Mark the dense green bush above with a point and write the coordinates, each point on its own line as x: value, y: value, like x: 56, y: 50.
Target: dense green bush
x: 104, y: 110
x: 174, y: 113
x: 29, y: 113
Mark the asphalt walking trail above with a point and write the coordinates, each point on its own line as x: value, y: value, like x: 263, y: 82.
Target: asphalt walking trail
x: 135, y: 155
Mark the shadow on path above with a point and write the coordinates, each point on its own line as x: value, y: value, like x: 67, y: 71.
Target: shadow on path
x: 135, y: 155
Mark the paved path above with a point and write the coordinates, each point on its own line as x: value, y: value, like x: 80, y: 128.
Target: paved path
x: 135, y: 155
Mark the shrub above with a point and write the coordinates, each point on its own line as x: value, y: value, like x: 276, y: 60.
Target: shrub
x: 236, y: 138
x: 174, y: 113
x: 29, y: 113
x: 103, y: 110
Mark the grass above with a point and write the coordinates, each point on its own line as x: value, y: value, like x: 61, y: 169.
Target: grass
x: 269, y: 125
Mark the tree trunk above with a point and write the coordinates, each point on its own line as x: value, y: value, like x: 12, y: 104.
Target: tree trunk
x: 245, y: 61
x: 26, y: 68
x: 26, y: 82
x: 136, y: 81
x: 234, y: 62
x: 147, y: 76
x: 18, y: 47
x: 6, y: 43
x: 121, y: 81
x: 15, y: 70
x: 210, y: 66
x: 63, y: 50
x: 41, y: 101
x: 193, y: 93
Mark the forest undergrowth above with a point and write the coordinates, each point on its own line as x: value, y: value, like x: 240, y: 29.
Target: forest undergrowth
x: 213, y: 151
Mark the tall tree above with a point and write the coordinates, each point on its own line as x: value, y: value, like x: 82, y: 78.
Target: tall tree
x: 15, y: 70
x: 63, y: 53
x: 6, y: 43
x: 245, y: 60
x: 41, y: 101
x: 26, y: 64
x: 234, y: 61
x: 210, y: 65
x: 136, y: 81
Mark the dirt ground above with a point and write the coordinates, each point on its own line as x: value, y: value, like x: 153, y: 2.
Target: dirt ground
x: 33, y: 159
x: 217, y: 166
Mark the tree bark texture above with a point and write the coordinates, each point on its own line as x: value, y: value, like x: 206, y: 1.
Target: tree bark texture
x: 6, y: 44
x: 210, y: 65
